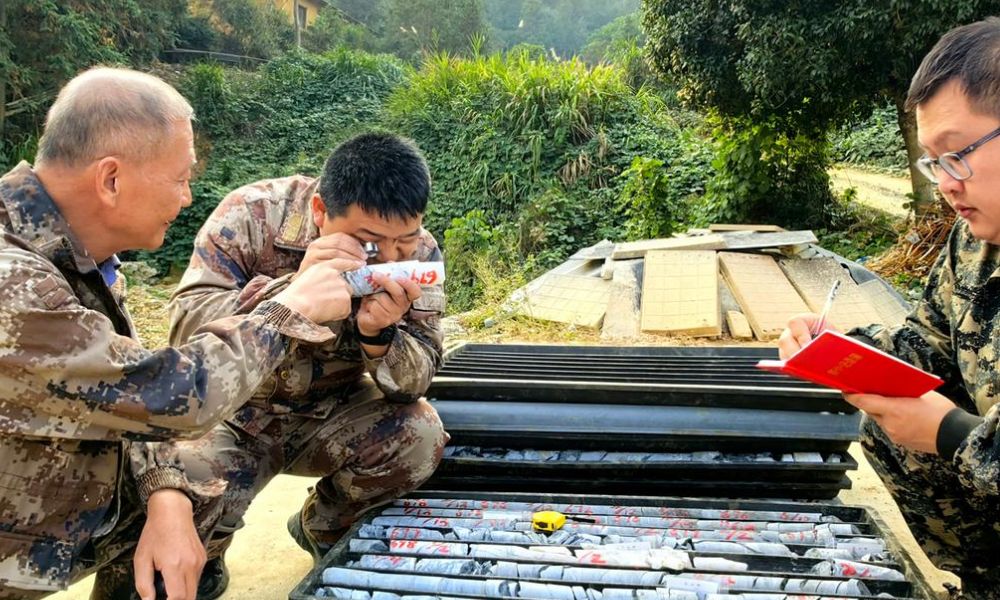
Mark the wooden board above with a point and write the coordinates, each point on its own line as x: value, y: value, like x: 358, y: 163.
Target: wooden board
x: 680, y: 293
x: 890, y: 311
x: 813, y: 278
x: 767, y: 298
x: 640, y: 248
x: 754, y: 241
x: 736, y: 227
x: 568, y: 299
x: 621, y: 319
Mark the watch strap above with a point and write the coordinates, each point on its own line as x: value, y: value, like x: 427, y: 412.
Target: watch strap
x: 384, y: 337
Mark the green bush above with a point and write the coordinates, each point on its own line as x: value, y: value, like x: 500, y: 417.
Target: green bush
x: 11, y: 153
x: 527, y: 154
x: 855, y: 231
x: 873, y: 142
x: 661, y: 198
x: 469, y: 242
x: 764, y: 174
x: 532, y: 141
x: 283, y: 119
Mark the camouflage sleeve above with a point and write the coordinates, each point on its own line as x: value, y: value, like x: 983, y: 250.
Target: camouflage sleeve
x: 925, y: 339
x: 405, y: 372
x: 75, y: 377
x: 977, y: 458
x: 217, y: 282
x: 157, y: 466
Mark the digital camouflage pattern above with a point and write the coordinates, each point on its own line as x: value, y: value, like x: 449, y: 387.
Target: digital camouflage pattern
x: 952, y: 507
x: 79, y: 394
x: 328, y: 410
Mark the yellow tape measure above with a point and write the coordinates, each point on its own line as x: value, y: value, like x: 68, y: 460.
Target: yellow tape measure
x: 547, y: 521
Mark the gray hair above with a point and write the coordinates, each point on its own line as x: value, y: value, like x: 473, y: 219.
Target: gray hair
x: 108, y: 111
x: 970, y: 55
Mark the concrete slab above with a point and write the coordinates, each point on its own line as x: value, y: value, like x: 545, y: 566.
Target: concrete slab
x: 890, y: 311
x: 608, y: 268
x: 765, y: 295
x: 569, y: 299
x: 582, y: 267
x: 621, y: 319
x: 751, y: 240
x: 727, y: 302
x: 813, y: 279
x: 598, y: 251
x: 640, y: 248
x: 739, y: 327
x: 740, y: 227
x: 680, y: 293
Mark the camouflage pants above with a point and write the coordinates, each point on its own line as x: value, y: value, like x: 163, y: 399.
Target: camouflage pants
x: 111, y: 554
x: 958, y: 529
x: 366, y: 452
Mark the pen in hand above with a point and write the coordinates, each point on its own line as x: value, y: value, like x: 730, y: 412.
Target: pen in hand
x: 820, y: 324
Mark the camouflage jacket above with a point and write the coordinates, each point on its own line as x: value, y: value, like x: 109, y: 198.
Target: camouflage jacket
x: 954, y: 332
x: 248, y: 251
x: 77, y: 390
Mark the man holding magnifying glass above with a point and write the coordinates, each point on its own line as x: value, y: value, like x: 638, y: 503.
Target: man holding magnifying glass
x: 347, y: 411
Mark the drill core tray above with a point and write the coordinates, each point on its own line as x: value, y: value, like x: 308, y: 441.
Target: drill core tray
x: 455, y: 545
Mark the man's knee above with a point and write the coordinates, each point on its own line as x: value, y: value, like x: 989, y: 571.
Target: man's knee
x: 425, y: 439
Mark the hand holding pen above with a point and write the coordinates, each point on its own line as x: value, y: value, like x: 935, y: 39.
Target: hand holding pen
x: 820, y: 323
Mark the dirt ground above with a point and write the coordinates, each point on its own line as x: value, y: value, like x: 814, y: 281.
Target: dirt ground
x: 877, y: 190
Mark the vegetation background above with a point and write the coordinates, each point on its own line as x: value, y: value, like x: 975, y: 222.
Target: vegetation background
x: 548, y: 124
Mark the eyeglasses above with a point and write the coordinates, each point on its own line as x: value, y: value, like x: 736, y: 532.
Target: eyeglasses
x: 952, y: 163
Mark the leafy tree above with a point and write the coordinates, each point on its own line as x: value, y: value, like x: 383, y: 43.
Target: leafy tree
x: 251, y: 28
x: 432, y: 25
x: 331, y: 29
x: 45, y: 42
x: 370, y: 13
x: 562, y: 25
x: 613, y: 39
x: 621, y: 42
x: 805, y: 65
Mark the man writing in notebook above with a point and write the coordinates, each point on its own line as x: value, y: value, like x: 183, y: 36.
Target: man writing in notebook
x: 939, y: 455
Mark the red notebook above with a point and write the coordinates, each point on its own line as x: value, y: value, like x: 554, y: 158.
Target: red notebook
x: 834, y: 360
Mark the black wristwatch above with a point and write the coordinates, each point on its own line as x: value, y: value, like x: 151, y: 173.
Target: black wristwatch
x: 384, y: 337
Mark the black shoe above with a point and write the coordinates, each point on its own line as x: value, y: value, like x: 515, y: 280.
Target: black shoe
x: 214, y: 579
x: 305, y: 541
x: 115, y: 582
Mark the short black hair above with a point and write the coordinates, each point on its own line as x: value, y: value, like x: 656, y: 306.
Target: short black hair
x: 382, y: 173
x: 970, y: 55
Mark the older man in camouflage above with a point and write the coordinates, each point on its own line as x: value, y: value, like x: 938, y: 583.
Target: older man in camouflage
x: 349, y: 410
x: 78, y: 392
x: 939, y: 455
